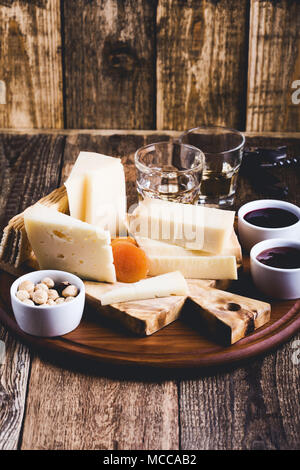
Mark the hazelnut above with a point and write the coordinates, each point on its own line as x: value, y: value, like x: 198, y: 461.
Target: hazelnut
x: 40, y: 296
x: 42, y: 286
x: 69, y: 299
x: 60, y: 286
x: 70, y: 291
x: 59, y: 300
x: 23, y: 295
x: 28, y: 302
x: 50, y: 302
x: 48, y: 281
x: 31, y: 294
x: 26, y: 285
x: 52, y: 294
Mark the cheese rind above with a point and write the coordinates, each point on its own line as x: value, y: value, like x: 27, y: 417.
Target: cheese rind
x: 97, y: 192
x: 160, y: 286
x: 195, y: 267
x: 190, y: 226
x: 62, y: 242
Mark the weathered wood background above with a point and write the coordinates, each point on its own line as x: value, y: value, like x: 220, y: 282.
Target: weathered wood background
x: 149, y: 64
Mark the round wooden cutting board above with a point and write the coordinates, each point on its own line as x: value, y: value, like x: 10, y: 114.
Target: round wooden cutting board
x: 177, y: 346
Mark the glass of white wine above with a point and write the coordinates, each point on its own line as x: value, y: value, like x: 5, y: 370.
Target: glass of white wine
x: 169, y: 170
x: 223, y: 150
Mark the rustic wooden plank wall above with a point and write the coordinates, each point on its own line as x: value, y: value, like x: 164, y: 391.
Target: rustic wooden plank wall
x: 147, y: 64
x: 30, y: 64
x: 109, y: 56
x: 274, y: 64
x: 201, y: 63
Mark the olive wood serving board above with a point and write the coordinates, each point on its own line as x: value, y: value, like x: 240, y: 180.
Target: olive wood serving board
x: 178, y: 346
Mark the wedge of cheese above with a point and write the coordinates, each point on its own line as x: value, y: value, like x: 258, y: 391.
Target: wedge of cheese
x: 189, y: 226
x: 151, y: 288
x: 195, y: 267
x: 97, y: 192
x: 62, y: 242
x: 158, y: 248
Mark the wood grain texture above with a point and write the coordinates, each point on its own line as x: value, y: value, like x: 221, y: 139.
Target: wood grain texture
x: 274, y: 63
x: 78, y: 411
x: 201, y: 63
x: 30, y: 64
x: 141, y: 318
x: 14, y: 373
x: 29, y: 169
x: 233, y: 316
x: 149, y: 135
x: 109, y: 63
x: 249, y: 408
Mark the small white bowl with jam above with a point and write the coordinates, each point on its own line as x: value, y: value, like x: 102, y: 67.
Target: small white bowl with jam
x: 265, y: 219
x: 275, y: 268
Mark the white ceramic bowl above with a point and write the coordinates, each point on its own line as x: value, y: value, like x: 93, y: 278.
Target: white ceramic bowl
x: 51, y: 320
x: 250, y: 234
x: 275, y: 282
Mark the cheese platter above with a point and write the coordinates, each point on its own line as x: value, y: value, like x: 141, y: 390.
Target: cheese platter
x: 153, y: 299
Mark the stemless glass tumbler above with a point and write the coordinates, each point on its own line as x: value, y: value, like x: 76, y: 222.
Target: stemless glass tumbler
x: 223, y: 150
x: 169, y: 171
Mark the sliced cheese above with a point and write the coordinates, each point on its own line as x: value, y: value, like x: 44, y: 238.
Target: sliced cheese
x: 195, y: 267
x: 190, y: 226
x: 97, y: 192
x: 158, y: 248
x: 62, y: 242
x: 160, y: 286
x: 75, y: 184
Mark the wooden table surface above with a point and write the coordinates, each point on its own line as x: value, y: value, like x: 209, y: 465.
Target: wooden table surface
x: 46, y: 403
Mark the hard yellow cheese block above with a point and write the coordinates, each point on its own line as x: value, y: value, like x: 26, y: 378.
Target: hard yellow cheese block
x: 97, y: 192
x: 65, y: 243
x: 190, y: 226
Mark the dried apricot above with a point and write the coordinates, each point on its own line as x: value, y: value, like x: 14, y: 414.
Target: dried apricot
x: 124, y: 239
x: 131, y: 262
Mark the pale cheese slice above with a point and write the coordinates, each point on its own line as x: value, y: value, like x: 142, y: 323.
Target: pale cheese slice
x: 97, y: 192
x: 65, y: 243
x: 160, y: 286
x: 158, y: 248
x: 195, y: 267
x: 190, y: 226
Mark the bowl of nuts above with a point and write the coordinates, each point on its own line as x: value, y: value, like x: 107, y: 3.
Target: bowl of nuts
x: 48, y: 303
